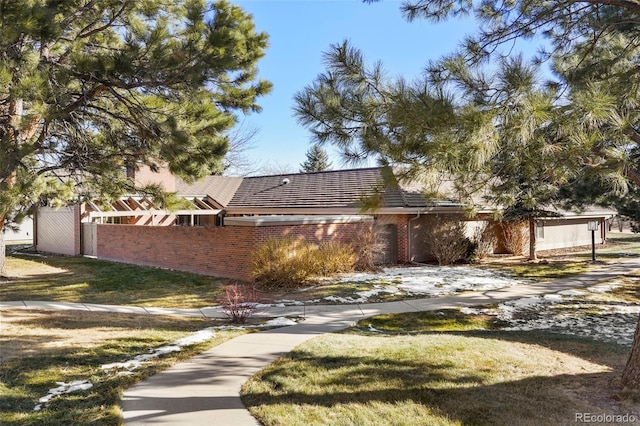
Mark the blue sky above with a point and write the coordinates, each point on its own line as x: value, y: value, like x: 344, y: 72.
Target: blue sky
x: 301, y: 30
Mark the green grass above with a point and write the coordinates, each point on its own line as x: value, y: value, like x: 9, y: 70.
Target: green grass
x: 436, y: 369
x: 430, y: 379
x: 551, y: 267
x: 542, y: 271
x: 429, y: 321
x: 28, y: 372
x: 446, y: 368
x: 94, y: 281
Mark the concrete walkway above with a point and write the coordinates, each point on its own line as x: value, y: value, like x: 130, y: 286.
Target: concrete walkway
x: 205, y: 389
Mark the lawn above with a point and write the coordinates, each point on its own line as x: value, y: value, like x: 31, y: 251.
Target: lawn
x: 79, y: 279
x: 434, y: 369
x: 444, y: 368
x: 554, y: 264
x: 38, y: 349
x: 543, y: 362
x: 76, y: 279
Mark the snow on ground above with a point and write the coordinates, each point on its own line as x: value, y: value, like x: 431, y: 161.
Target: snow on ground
x: 127, y: 367
x: 576, y: 312
x: 422, y: 281
x: 63, y: 388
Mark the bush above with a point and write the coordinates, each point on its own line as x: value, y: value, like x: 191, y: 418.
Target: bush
x: 334, y: 257
x: 289, y: 263
x: 516, y: 237
x: 485, y: 240
x: 446, y: 240
x: 365, y: 248
x: 239, y: 302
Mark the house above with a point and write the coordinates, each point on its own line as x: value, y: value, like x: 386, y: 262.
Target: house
x: 21, y: 233
x: 230, y: 216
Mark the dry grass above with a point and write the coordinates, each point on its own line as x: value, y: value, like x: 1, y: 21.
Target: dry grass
x: 470, y: 377
x: 40, y: 348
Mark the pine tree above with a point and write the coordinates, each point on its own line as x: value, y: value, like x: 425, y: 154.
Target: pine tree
x: 466, y: 121
x: 88, y: 88
x: 317, y: 160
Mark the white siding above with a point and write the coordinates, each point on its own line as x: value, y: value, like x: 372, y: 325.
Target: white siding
x: 56, y: 231
x: 561, y: 233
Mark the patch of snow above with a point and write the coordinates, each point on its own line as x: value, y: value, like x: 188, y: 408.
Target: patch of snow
x: 428, y: 281
x: 63, y: 388
x: 134, y: 363
x: 373, y: 329
x: 569, y: 312
x: 605, y: 287
x: 280, y: 322
x: 572, y: 292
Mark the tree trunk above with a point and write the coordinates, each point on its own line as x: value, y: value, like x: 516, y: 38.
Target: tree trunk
x: 3, y: 254
x: 532, y: 239
x: 631, y: 374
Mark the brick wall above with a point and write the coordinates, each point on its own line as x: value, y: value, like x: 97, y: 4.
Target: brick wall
x: 403, y: 238
x: 223, y: 252
x: 313, y: 233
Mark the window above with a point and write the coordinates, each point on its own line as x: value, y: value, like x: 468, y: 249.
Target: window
x: 540, y: 230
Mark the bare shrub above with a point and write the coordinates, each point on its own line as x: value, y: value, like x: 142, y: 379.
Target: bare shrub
x: 365, y: 248
x: 516, y: 237
x: 446, y: 239
x: 239, y: 302
x: 485, y: 240
x: 290, y: 263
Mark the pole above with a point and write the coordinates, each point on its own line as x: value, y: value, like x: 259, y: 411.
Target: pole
x: 593, y: 246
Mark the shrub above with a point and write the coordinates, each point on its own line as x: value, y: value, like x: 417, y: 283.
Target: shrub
x: 280, y: 263
x: 239, y: 302
x: 485, y: 240
x: 334, y: 257
x: 516, y: 237
x: 289, y: 263
x: 365, y: 248
x: 446, y: 239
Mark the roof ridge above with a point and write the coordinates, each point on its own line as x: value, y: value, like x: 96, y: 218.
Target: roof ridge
x: 317, y: 173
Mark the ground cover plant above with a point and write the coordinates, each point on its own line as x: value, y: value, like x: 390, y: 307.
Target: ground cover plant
x: 39, y: 350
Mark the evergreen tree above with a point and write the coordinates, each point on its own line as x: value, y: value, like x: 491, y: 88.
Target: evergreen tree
x: 499, y: 130
x: 88, y: 88
x: 317, y: 160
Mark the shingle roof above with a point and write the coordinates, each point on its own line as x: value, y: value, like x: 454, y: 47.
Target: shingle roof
x: 328, y: 189
x: 219, y: 188
x: 338, y: 188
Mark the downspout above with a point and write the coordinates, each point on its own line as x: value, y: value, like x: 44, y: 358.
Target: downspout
x: 409, y: 239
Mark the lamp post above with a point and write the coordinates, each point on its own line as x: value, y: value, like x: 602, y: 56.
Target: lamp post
x: 593, y: 227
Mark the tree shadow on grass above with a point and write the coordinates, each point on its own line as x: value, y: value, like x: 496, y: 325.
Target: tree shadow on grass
x: 468, y: 398
x: 82, y: 320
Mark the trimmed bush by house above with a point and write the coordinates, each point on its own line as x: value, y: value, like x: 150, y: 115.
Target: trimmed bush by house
x: 289, y: 263
x: 446, y: 239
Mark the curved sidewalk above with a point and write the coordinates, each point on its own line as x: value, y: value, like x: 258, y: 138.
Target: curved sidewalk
x: 205, y: 389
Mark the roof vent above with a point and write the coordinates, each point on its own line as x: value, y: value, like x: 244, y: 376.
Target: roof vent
x: 285, y: 181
